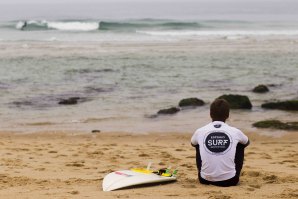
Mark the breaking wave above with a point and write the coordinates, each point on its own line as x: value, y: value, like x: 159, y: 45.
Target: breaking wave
x: 105, y: 26
x: 172, y: 28
x: 65, y: 26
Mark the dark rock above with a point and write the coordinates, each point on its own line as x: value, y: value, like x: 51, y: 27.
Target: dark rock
x: 95, y: 131
x: 69, y: 101
x: 261, y: 89
x: 290, y: 105
x: 171, y: 110
x: 276, y: 124
x: 191, y: 102
x: 237, y: 101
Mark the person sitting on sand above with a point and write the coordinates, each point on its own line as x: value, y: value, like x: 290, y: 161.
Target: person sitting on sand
x: 219, y: 148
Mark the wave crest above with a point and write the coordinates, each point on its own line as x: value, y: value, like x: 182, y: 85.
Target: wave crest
x: 129, y: 26
x: 165, y: 27
x: 59, y: 25
x: 155, y: 25
x: 73, y: 26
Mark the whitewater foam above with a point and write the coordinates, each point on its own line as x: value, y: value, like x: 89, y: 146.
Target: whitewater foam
x: 57, y: 25
x: 74, y: 26
x: 222, y: 33
x: 20, y: 25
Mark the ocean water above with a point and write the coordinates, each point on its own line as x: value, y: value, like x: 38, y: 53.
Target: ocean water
x: 125, y: 67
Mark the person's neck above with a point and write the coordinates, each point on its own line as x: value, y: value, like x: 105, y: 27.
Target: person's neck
x: 224, y: 121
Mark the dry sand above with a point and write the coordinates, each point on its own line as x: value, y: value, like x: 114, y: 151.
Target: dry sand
x: 68, y: 165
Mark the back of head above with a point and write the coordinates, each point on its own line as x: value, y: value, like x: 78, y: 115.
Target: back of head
x: 219, y: 110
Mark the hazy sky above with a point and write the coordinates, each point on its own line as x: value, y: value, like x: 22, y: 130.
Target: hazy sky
x: 181, y: 9
x: 98, y: 1
x: 88, y: 1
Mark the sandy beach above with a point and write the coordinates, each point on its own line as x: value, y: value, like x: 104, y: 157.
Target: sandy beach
x: 123, y: 68
x: 73, y: 165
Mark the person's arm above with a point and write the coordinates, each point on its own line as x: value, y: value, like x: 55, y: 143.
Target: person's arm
x: 194, y: 140
x: 248, y: 142
x: 243, y: 139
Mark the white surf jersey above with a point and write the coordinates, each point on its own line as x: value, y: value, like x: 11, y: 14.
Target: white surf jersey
x: 218, y: 141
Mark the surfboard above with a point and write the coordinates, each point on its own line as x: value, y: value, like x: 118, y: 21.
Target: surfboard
x: 137, y: 176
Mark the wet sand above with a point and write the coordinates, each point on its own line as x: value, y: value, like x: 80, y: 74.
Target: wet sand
x: 73, y: 165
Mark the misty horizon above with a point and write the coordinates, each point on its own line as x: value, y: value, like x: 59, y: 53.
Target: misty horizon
x: 268, y: 10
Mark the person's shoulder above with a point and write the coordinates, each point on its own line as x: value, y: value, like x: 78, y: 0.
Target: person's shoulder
x: 243, y: 139
x: 202, y: 129
x: 234, y: 129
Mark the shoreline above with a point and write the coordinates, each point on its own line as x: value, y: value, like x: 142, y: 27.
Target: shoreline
x: 63, y: 165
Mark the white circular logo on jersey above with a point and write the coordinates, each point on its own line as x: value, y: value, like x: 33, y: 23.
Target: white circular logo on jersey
x: 217, y: 142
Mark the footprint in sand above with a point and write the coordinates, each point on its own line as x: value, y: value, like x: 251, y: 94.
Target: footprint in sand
x: 191, y: 181
x: 76, y: 164
x: 289, y: 193
x: 122, y: 196
x: 251, y: 153
x: 189, y: 166
x: 250, y: 189
x: 191, y: 156
x: 179, y: 150
x: 251, y: 173
x: 266, y: 156
x: 74, y: 192
x: 256, y: 186
x: 290, y: 161
x: 173, y: 195
x: 220, y: 197
x: 217, y: 195
x: 270, y: 179
x: 143, y: 155
x: 189, y: 186
x: 40, y: 169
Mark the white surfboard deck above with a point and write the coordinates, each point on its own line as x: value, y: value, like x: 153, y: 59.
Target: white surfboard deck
x: 126, y: 178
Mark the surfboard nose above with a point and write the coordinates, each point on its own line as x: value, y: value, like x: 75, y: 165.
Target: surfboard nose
x: 116, y: 180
